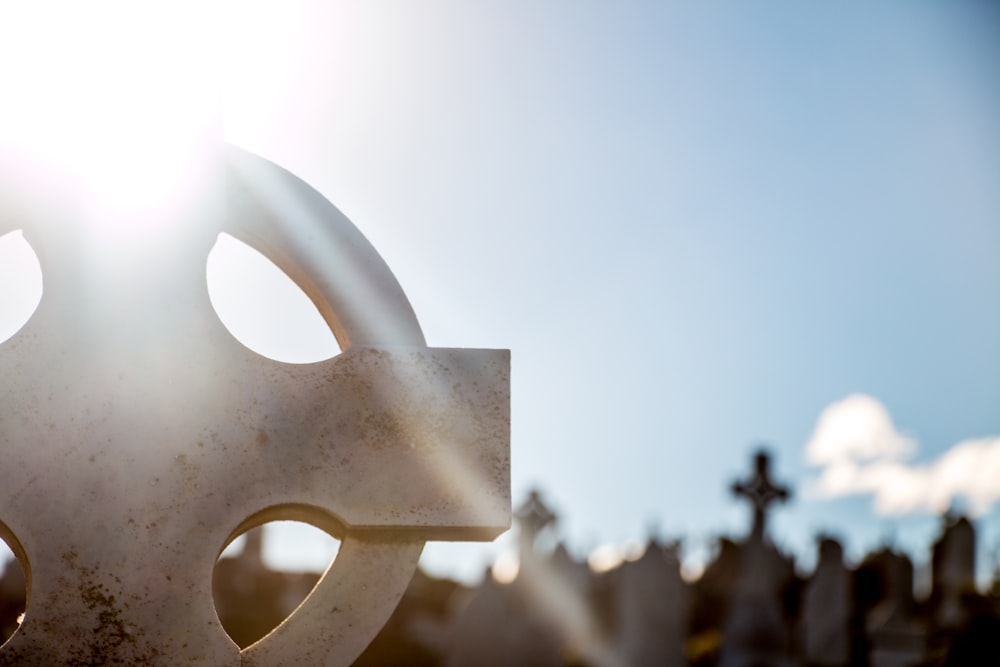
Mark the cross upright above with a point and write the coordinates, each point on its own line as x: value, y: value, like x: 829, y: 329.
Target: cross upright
x: 760, y: 491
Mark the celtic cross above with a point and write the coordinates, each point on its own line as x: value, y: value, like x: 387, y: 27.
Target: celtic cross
x: 139, y: 437
x: 761, y: 492
x: 533, y: 516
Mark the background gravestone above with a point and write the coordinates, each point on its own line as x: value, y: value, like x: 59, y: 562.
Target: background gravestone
x: 756, y: 631
x: 652, y: 607
x: 826, y: 610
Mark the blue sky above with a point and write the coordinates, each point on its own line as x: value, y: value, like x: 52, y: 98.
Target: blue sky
x: 696, y: 226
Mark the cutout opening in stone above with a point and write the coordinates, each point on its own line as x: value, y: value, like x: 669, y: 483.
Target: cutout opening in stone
x: 263, y: 575
x: 13, y: 592
x: 20, y: 283
x: 263, y: 308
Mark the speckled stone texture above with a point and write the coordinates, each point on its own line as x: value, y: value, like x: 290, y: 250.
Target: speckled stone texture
x: 139, y: 437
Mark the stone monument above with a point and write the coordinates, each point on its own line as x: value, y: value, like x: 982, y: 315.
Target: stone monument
x: 953, y: 571
x: 512, y: 624
x: 652, y: 608
x: 896, y: 636
x: 761, y: 493
x: 140, y: 438
x: 826, y: 610
x: 756, y: 631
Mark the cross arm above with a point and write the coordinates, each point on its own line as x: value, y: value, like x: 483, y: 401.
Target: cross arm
x: 394, y: 439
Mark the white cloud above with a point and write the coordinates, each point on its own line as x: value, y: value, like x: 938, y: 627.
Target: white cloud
x: 861, y: 453
x: 856, y: 428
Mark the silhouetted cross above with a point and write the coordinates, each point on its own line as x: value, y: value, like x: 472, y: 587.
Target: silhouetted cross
x: 761, y: 492
x: 532, y: 518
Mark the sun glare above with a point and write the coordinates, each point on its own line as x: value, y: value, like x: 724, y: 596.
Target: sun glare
x: 506, y: 567
x: 605, y: 558
x: 119, y: 95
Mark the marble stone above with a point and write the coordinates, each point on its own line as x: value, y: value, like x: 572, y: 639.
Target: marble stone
x: 140, y: 437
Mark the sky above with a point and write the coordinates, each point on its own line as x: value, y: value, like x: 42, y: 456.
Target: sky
x: 698, y: 227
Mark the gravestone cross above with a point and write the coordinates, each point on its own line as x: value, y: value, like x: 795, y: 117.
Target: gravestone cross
x: 756, y: 631
x: 140, y: 438
x: 533, y: 516
x: 761, y: 492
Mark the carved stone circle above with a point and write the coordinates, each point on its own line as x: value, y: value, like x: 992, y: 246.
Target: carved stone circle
x: 139, y: 437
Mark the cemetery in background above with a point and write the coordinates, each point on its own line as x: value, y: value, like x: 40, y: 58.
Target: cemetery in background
x: 750, y: 607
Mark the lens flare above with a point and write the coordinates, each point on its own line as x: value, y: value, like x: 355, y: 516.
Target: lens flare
x: 120, y: 96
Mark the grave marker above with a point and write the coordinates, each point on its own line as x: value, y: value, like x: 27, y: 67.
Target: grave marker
x: 139, y: 437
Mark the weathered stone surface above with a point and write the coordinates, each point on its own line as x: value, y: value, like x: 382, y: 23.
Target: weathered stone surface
x: 139, y: 437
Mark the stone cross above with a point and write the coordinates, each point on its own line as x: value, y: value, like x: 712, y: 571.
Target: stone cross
x: 140, y: 438
x: 760, y: 491
x: 533, y: 516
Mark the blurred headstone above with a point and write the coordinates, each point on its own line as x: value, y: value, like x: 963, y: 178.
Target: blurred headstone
x: 897, y: 638
x: 953, y: 572
x: 495, y: 628
x: 826, y: 610
x: 653, y: 604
